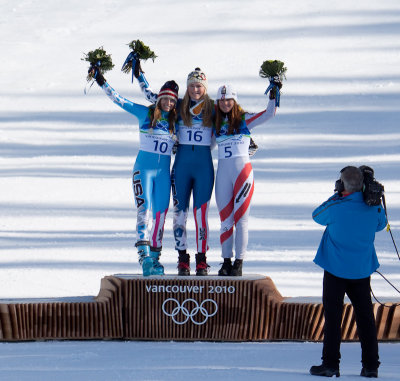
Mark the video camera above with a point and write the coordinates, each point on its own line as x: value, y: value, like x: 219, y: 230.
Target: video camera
x: 372, y: 189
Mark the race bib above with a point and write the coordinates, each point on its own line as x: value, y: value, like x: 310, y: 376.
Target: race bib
x: 160, y: 144
x: 195, y: 135
x: 234, y: 146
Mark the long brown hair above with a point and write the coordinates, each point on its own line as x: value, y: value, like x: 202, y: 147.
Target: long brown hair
x: 155, y: 115
x: 207, y: 110
x: 234, y: 118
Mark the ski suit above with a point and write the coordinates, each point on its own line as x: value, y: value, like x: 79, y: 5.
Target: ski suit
x: 234, y: 184
x: 192, y: 173
x: 151, y: 173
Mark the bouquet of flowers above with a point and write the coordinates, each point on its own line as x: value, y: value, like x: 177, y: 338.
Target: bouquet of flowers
x: 99, y: 58
x: 139, y: 52
x: 273, y: 68
x: 275, y: 71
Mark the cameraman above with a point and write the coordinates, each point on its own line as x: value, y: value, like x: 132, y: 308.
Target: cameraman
x: 347, y: 255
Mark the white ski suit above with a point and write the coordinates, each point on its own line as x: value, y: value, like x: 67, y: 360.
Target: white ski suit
x: 234, y: 184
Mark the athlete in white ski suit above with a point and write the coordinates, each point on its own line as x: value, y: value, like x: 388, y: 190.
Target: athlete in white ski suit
x: 234, y: 184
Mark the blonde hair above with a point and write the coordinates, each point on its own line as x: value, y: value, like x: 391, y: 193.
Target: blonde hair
x: 207, y: 110
x: 155, y: 115
x: 235, y: 117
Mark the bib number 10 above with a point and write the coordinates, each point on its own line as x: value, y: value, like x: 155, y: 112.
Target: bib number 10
x: 196, y: 136
x: 162, y: 147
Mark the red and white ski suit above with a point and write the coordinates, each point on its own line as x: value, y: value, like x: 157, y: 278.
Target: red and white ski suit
x: 234, y: 184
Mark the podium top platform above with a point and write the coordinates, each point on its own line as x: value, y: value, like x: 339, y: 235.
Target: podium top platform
x: 248, y: 277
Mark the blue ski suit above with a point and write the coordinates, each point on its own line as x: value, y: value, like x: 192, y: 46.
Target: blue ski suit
x: 192, y: 173
x: 151, y: 173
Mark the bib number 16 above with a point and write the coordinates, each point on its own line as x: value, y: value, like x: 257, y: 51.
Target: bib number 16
x: 196, y: 136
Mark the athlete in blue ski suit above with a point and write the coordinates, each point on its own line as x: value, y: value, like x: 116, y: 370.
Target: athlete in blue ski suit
x: 151, y: 173
x: 193, y: 171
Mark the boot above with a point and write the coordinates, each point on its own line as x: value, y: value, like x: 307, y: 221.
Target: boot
x: 369, y: 373
x: 226, y: 268
x: 324, y: 371
x: 145, y: 261
x: 158, y: 268
x: 201, y: 264
x: 237, y: 267
x: 183, y: 263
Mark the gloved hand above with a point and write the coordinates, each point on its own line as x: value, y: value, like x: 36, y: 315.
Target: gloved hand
x: 94, y: 70
x: 137, y: 69
x: 276, y: 81
x: 275, y: 85
x: 253, y: 147
x: 175, y: 148
x: 132, y: 61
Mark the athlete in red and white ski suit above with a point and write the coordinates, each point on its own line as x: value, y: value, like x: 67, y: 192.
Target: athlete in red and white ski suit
x: 234, y: 184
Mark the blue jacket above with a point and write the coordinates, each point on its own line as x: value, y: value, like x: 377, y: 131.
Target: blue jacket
x: 347, y: 246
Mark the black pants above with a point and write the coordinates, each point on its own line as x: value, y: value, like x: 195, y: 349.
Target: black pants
x: 358, y: 291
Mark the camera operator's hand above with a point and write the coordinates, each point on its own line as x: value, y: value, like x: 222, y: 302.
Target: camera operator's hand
x: 339, y: 187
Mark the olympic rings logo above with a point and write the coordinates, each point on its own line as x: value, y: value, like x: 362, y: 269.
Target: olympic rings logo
x: 189, y: 313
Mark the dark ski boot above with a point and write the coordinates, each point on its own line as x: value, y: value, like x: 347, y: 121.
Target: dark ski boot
x: 183, y: 263
x: 237, y: 267
x: 226, y: 268
x: 201, y: 264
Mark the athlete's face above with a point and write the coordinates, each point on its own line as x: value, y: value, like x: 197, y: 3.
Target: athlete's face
x: 196, y: 91
x: 225, y: 105
x: 167, y: 104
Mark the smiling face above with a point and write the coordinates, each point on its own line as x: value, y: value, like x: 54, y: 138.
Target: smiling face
x: 226, y: 105
x: 167, y: 104
x: 196, y: 91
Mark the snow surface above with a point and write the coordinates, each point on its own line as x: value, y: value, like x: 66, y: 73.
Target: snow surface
x: 67, y: 215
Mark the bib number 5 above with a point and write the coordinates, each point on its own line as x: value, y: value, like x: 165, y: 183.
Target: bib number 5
x: 228, y: 152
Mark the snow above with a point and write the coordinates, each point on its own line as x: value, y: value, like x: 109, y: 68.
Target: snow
x: 67, y: 216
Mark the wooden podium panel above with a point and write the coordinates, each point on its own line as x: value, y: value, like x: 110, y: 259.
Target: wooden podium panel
x: 211, y: 308
x: 197, y: 308
x: 65, y: 318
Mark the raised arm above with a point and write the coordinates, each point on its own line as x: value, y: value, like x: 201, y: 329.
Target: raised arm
x: 146, y: 90
x: 135, y: 109
x: 255, y: 119
x: 133, y: 62
x: 321, y: 215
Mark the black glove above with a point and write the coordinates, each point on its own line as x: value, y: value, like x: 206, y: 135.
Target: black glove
x: 94, y: 70
x: 275, y: 83
x: 253, y: 147
x: 137, y: 70
x: 175, y: 148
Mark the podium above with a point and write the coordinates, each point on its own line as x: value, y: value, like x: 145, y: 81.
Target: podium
x: 198, y: 308
x: 211, y: 308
